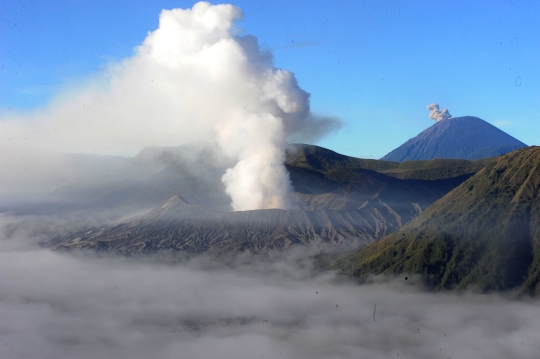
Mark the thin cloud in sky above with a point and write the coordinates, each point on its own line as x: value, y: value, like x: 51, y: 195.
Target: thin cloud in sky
x: 503, y: 123
x: 59, y: 305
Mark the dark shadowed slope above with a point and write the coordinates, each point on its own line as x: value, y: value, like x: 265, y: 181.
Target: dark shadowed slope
x: 323, y: 160
x: 323, y: 179
x: 460, y: 137
x: 484, y: 233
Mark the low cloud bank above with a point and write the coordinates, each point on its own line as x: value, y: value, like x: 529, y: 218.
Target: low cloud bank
x: 56, y: 305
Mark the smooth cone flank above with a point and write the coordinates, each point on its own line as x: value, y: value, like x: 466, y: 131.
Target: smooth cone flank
x: 465, y: 137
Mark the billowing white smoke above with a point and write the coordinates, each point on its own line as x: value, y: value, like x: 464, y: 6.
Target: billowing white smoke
x: 437, y: 115
x: 194, y: 78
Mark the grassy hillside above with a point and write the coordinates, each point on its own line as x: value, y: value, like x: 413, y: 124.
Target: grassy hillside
x: 485, y: 233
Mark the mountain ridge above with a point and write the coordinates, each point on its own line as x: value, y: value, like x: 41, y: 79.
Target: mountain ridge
x: 356, y: 206
x: 194, y: 171
x: 485, y: 233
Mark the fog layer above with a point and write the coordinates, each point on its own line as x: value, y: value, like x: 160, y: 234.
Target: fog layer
x: 56, y: 305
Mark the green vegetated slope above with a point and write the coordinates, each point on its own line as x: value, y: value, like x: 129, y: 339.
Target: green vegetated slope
x: 485, y: 233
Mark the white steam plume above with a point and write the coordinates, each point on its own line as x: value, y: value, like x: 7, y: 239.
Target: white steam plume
x: 194, y: 78
x: 437, y: 115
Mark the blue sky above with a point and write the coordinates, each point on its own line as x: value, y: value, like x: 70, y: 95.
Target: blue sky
x: 374, y: 64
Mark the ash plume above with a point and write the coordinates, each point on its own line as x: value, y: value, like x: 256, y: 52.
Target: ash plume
x: 196, y: 77
x: 437, y: 115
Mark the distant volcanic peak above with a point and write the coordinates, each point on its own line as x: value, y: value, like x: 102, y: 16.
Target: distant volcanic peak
x: 466, y: 137
x: 437, y: 115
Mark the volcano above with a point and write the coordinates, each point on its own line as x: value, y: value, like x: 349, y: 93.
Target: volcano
x: 465, y: 137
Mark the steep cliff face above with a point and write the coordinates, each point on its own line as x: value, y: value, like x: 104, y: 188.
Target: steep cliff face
x: 460, y: 137
x: 485, y: 233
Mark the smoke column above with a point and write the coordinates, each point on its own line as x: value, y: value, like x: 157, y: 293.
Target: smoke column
x: 194, y: 78
x: 437, y: 115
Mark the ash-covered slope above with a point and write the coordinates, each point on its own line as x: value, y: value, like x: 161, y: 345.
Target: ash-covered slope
x: 484, y: 233
x: 336, y: 203
x: 460, y: 137
x: 362, y: 206
x: 181, y: 227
